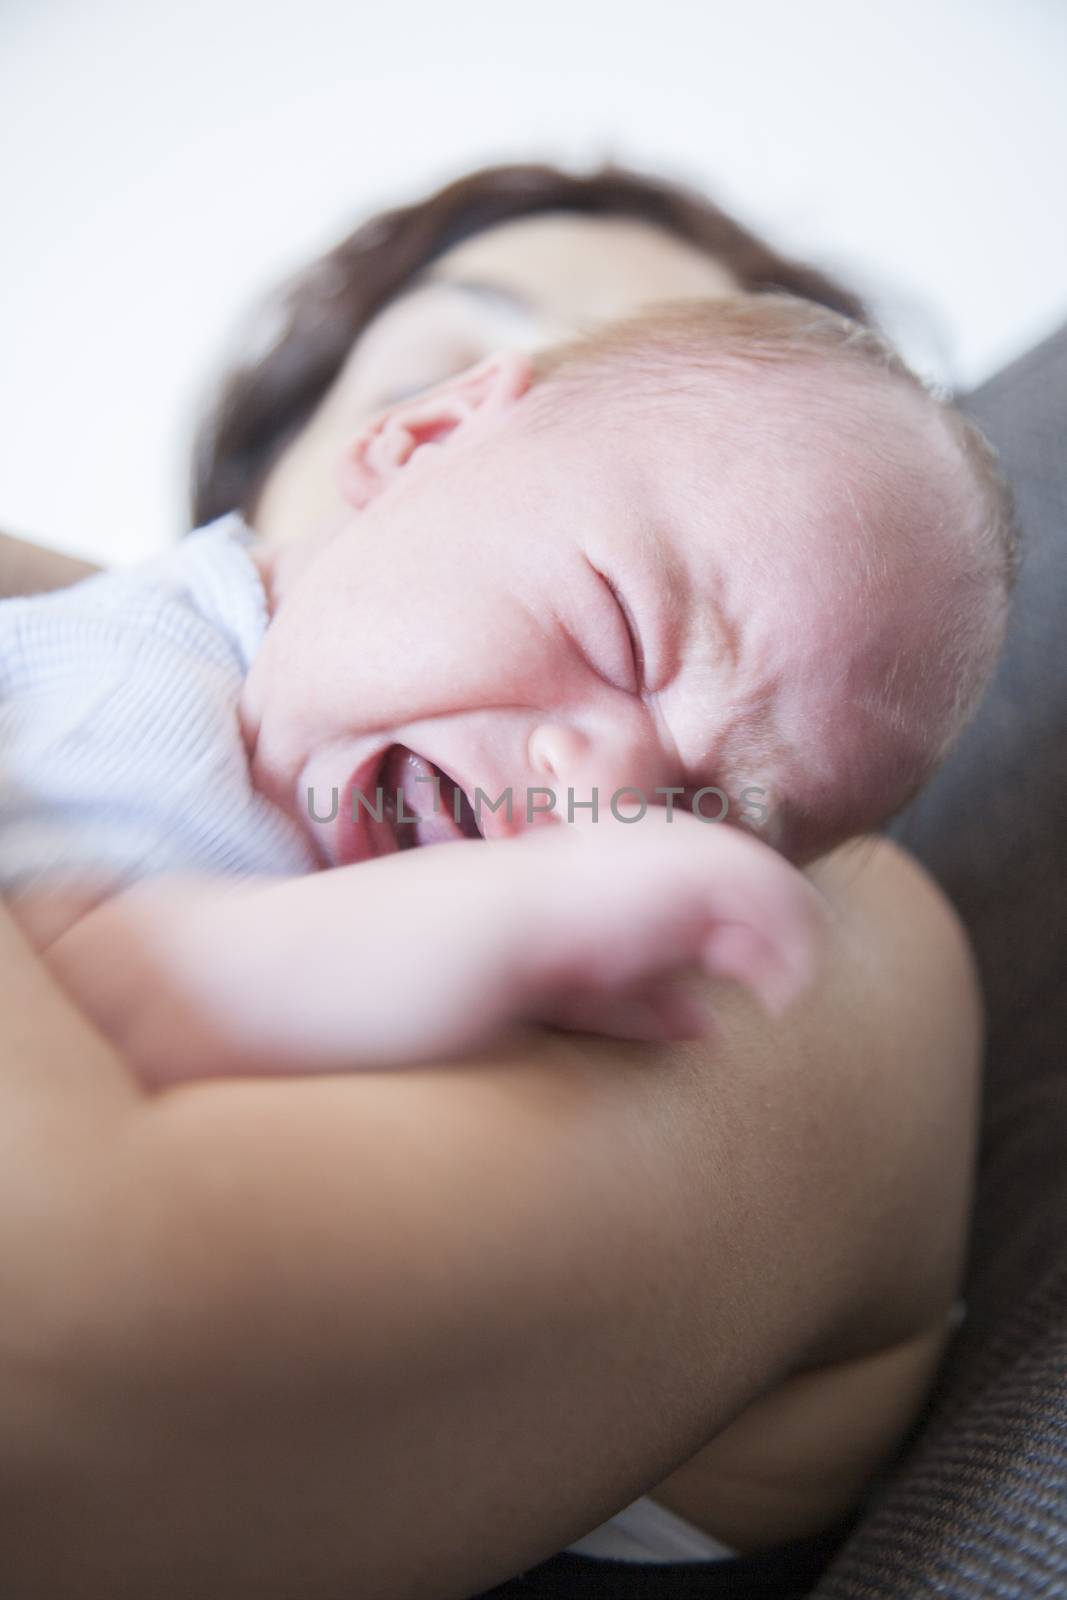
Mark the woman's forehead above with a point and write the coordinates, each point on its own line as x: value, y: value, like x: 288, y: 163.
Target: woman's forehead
x: 587, y: 268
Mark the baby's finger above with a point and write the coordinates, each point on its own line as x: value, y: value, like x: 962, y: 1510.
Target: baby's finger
x: 659, y: 1009
x: 738, y: 952
x: 769, y: 921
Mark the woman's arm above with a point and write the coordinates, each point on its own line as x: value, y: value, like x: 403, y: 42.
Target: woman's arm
x: 402, y: 1334
x: 27, y: 568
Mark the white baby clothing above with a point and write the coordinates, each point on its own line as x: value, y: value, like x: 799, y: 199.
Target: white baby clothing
x: 647, y: 1532
x: 120, y: 750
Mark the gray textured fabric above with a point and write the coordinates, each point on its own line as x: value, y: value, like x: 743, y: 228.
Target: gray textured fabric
x: 978, y: 1506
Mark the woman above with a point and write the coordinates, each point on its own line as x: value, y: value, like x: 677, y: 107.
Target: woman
x: 409, y: 1334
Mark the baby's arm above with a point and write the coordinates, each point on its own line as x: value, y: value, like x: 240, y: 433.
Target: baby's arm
x: 432, y: 952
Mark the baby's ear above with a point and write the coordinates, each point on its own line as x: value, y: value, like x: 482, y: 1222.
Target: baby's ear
x: 386, y: 443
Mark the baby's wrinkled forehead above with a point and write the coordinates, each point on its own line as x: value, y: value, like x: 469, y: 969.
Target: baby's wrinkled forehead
x: 841, y: 536
x: 810, y: 518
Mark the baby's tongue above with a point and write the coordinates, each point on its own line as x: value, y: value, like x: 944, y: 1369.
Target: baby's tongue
x: 418, y: 783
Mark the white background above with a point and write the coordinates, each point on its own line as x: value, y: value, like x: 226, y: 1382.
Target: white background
x: 164, y: 162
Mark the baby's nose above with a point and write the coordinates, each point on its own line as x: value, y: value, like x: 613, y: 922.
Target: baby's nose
x: 557, y: 752
x: 567, y: 758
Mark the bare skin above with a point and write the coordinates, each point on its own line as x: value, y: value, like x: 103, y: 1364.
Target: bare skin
x: 800, y: 1457
x: 409, y: 1332
x: 27, y: 568
x: 583, y: 927
x: 482, y: 1307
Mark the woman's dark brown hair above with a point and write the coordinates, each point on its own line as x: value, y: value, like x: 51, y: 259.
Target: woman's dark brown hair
x: 261, y: 404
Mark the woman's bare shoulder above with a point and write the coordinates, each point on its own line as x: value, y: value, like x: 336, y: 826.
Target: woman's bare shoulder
x: 713, y: 1218
x: 799, y: 1457
x: 919, y: 1076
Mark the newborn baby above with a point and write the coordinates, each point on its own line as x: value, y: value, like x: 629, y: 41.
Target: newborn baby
x: 721, y: 561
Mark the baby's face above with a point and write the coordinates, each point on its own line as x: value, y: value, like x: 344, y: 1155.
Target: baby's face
x: 534, y: 607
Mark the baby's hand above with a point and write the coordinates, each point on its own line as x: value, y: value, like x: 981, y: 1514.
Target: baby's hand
x: 614, y: 915
x: 590, y: 926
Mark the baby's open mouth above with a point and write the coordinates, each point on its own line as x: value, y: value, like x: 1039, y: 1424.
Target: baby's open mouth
x: 419, y: 804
